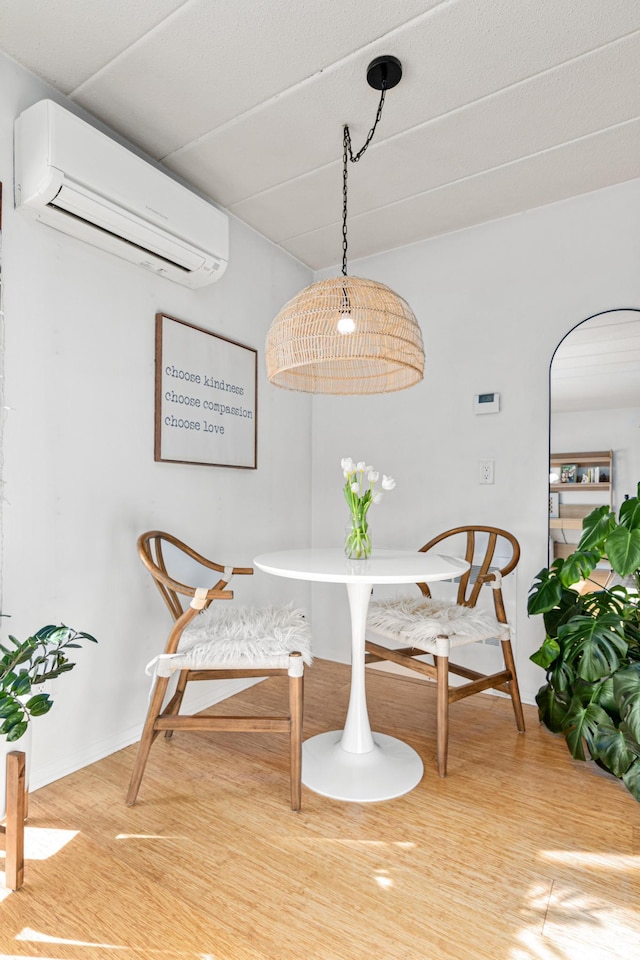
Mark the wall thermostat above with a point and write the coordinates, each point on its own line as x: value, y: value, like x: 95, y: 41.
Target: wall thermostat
x: 486, y: 403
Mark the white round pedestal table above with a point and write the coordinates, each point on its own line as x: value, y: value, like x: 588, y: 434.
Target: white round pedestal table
x: 355, y: 764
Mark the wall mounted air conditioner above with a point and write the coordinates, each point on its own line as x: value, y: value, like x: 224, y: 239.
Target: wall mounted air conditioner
x: 75, y: 178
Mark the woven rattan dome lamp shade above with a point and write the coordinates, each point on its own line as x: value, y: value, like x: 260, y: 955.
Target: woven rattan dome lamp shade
x: 347, y: 335
x: 306, y: 350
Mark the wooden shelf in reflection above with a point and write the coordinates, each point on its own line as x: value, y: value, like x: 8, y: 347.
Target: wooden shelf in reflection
x: 565, y: 523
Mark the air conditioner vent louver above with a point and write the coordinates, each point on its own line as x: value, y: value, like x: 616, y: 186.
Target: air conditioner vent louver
x: 95, y: 226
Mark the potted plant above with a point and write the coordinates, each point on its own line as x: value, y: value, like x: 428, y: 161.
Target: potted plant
x: 23, y: 665
x: 591, y: 652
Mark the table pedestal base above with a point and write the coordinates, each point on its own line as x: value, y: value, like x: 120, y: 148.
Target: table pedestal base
x: 391, y: 769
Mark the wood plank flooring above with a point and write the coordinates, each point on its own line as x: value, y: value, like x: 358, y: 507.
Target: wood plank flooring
x: 521, y: 853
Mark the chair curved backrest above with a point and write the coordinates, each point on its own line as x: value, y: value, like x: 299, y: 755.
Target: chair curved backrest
x: 151, y: 549
x: 490, y: 569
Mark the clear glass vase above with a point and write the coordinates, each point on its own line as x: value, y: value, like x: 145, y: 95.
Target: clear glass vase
x: 357, y: 543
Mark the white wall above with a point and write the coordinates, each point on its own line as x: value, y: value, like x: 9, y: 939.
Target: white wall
x: 493, y: 302
x: 79, y: 479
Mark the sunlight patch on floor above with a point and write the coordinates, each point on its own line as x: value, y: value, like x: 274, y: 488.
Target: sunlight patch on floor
x: 4, y: 893
x: 40, y: 843
x: 36, y: 936
x: 602, y: 861
x: 583, y: 916
x: 383, y: 879
x: 591, y: 925
x: 146, y: 836
x: 401, y: 844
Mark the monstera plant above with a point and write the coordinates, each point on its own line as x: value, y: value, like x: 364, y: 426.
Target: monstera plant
x: 591, y: 652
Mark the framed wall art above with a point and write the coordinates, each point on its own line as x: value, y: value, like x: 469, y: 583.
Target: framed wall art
x: 206, y: 397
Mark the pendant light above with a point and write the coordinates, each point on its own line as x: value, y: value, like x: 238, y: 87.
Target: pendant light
x: 348, y: 335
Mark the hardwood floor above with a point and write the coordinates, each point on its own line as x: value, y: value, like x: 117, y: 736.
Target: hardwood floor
x: 521, y: 853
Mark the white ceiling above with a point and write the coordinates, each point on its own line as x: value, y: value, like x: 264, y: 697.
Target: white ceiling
x: 504, y: 105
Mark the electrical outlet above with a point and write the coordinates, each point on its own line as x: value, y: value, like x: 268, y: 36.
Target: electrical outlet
x: 487, y: 471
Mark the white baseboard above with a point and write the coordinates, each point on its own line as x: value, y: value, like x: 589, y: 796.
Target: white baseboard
x: 62, y: 766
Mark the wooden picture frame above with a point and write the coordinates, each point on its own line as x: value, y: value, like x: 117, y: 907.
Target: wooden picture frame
x: 206, y: 397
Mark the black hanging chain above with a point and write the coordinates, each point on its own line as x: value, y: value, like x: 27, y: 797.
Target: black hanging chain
x: 348, y: 155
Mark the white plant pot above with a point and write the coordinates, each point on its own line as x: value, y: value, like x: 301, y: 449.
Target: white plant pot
x: 24, y: 745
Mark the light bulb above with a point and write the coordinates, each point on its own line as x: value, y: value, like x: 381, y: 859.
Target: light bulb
x: 346, y: 323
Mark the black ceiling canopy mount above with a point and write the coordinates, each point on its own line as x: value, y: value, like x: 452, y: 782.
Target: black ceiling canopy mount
x: 387, y: 70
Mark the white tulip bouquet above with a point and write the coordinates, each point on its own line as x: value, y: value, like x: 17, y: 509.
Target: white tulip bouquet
x: 360, y: 492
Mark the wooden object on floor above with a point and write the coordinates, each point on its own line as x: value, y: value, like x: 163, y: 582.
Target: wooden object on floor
x: 484, y: 571
x: 16, y: 813
x: 472, y: 867
x: 152, y: 549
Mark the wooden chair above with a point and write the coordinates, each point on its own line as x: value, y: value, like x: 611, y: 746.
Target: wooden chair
x: 435, y: 626
x: 216, y: 643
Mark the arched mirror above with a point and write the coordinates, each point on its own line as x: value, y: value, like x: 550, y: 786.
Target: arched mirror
x: 595, y: 423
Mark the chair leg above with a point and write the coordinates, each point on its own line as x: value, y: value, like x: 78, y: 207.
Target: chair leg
x: 514, y: 689
x: 148, y: 736
x: 296, y: 700
x: 442, y: 720
x: 176, y: 700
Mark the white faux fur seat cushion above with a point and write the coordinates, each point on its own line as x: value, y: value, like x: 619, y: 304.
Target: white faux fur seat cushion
x: 237, y: 637
x: 419, y: 622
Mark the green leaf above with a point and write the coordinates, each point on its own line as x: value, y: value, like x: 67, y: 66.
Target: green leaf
x: 23, y: 656
x: 632, y: 628
x: 631, y: 779
x: 581, y: 725
x: 552, y: 708
x: 17, y: 731
x: 593, y: 646
x: 39, y: 705
x: 613, y: 600
x: 562, y: 677
x: 614, y: 748
x: 623, y: 550
x: 592, y: 692
x: 626, y: 688
x: 547, y: 653
x: 9, y: 706
x: 630, y: 513
x: 21, y: 685
x: 577, y: 566
x: 606, y: 698
x: 545, y: 594
x: 571, y: 604
x: 596, y: 527
x: 46, y: 633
